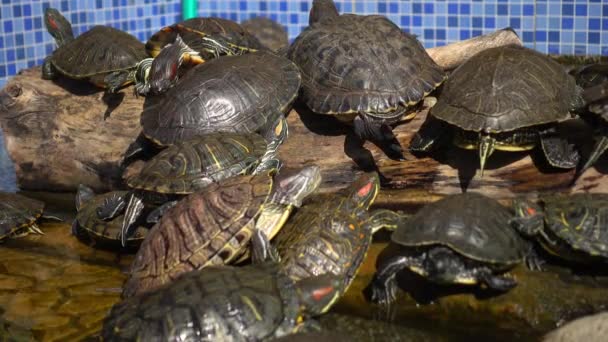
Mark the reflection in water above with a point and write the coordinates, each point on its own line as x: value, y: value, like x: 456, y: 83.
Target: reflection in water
x: 8, y: 181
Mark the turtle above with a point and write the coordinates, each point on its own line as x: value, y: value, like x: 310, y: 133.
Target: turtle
x: 518, y: 97
x: 106, y: 57
x: 572, y: 227
x: 362, y: 70
x: 331, y: 235
x: 191, y: 165
x: 461, y: 239
x: 269, y: 33
x: 246, y: 93
x: 213, y: 226
x: 18, y: 215
x: 88, y: 227
x: 223, y: 303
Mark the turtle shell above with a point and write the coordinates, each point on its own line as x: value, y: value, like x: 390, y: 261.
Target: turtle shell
x: 270, y: 33
x: 209, y: 227
x: 107, y: 233
x: 97, y: 52
x: 471, y: 224
x: 324, y: 237
x: 17, y: 212
x: 192, y: 30
x: 243, y: 94
x: 362, y: 64
x: 514, y: 87
x: 224, y: 303
x: 192, y: 164
x: 580, y: 221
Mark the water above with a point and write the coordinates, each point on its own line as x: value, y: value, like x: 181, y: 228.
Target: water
x: 8, y: 180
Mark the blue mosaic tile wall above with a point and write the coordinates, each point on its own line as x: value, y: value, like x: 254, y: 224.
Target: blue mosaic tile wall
x: 566, y: 27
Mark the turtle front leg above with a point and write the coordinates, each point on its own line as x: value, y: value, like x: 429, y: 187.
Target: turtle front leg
x: 558, y: 151
x: 383, y: 287
x: 380, y: 133
x: 48, y: 70
x: 600, y: 146
x: 134, y: 209
x: 261, y: 249
x: 111, y: 207
x: 275, y: 135
x: 495, y: 282
x: 432, y: 134
x: 116, y: 80
x: 158, y: 213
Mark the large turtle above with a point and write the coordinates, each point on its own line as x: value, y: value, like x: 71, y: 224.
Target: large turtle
x: 270, y: 33
x: 247, y: 93
x: 18, y: 215
x: 460, y: 239
x: 90, y: 228
x: 213, y: 226
x: 250, y: 303
x: 513, y: 104
x: 107, y: 57
x: 362, y: 68
x: 572, y: 227
x: 333, y: 234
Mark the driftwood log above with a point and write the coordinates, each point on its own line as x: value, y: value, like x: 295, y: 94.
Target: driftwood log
x: 63, y: 133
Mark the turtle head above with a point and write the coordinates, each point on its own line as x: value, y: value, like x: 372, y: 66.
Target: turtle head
x: 321, y: 10
x: 317, y: 294
x: 292, y: 187
x: 164, y: 70
x: 83, y: 195
x: 58, y: 26
x: 364, y: 190
x: 528, y: 216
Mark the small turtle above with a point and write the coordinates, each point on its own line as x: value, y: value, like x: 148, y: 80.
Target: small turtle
x: 213, y: 226
x: 362, y: 69
x: 250, y: 303
x: 270, y: 33
x: 104, y: 233
x: 18, y: 215
x: 572, y: 227
x: 514, y: 104
x: 107, y: 57
x: 332, y: 235
x: 460, y: 239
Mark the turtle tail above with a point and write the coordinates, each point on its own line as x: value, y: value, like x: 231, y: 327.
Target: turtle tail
x: 486, y: 148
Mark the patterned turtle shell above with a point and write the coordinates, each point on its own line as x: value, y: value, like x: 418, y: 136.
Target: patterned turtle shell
x: 89, y: 227
x: 362, y: 64
x: 192, y: 30
x: 192, y: 164
x: 209, y: 227
x: 471, y: 224
x: 18, y: 213
x: 578, y: 223
x: 270, y: 33
x: 246, y: 93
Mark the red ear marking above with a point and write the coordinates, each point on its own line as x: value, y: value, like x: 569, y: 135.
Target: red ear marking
x: 173, y: 69
x: 365, y: 190
x: 52, y: 23
x: 319, y: 294
x: 531, y: 211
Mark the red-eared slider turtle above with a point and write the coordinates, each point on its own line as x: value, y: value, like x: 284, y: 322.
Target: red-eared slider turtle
x: 18, y: 215
x: 362, y: 68
x: 513, y: 105
x: 572, y: 227
x: 461, y: 239
x: 270, y: 33
x: 105, y: 56
x: 332, y: 235
x: 191, y: 165
x: 248, y: 93
x: 103, y: 233
x: 250, y: 303
x: 213, y: 226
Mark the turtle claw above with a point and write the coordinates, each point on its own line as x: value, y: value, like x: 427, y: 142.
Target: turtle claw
x: 111, y: 207
x: 134, y: 209
x: 381, y: 293
x: 35, y: 229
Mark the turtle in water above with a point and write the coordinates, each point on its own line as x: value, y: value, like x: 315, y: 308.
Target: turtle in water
x: 460, y: 239
x: 89, y: 227
x: 250, y: 303
x: 331, y: 235
x: 213, y: 226
x: 107, y: 57
x: 270, y: 33
x: 248, y: 93
x: 364, y: 70
x: 572, y: 227
x: 514, y: 104
x: 191, y: 165
x: 18, y: 215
